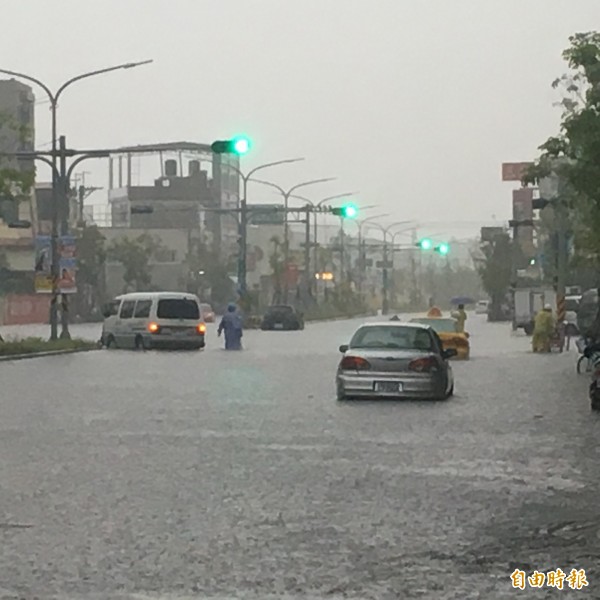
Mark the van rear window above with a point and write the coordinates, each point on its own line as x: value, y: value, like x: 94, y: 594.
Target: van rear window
x: 178, y: 308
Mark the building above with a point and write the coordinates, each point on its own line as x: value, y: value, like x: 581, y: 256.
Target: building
x: 178, y: 200
x: 17, y: 132
x: 186, y: 203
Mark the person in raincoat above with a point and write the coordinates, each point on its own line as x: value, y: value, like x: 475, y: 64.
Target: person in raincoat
x: 461, y: 316
x: 231, y: 324
x: 543, y: 330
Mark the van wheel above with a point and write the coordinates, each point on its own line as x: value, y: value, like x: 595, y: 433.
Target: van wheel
x: 139, y: 343
x: 529, y: 327
x: 111, y: 343
x: 450, y: 393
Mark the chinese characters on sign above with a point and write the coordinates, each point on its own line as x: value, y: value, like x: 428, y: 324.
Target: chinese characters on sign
x: 67, y: 265
x: 514, y: 171
x: 576, y: 579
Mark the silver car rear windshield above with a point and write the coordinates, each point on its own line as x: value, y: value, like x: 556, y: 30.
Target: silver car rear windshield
x: 401, y: 338
x: 178, y: 308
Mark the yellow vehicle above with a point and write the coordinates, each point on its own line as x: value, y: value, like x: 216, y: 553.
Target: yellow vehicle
x: 447, y: 330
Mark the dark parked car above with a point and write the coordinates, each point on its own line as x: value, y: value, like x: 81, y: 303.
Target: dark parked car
x: 282, y: 317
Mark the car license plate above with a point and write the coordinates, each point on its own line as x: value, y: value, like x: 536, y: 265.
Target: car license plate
x: 278, y: 325
x: 388, y: 386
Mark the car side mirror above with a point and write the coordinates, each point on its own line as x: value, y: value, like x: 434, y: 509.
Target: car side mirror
x: 451, y: 352
x: 344, y: 348
x: 467, y: 334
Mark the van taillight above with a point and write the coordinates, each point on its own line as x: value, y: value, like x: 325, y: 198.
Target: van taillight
x: 423, y: 365
x: 354, y: 363
x: 153, y: 327
x: 201, y: 328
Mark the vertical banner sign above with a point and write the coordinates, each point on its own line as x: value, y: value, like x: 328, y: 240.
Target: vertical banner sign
x: 43, y: 263
x: 67, y: 265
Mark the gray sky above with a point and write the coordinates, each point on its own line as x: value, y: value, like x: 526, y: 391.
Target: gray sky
x: 413, y: 103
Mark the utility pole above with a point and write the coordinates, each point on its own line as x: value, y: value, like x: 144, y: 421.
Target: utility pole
x: 307, y: 251
x: 561, y: 284
x: 385, y: 303
x: 64, y: 230
x: 342, y: 250
x: 413, y: 270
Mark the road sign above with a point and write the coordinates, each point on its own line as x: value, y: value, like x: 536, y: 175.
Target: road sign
x: 266, y: 214
x: 514, y: 171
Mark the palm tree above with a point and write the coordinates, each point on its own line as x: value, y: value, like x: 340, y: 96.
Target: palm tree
x: 276, y: 260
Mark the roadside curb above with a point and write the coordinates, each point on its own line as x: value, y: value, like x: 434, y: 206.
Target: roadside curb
x: 47, y: 353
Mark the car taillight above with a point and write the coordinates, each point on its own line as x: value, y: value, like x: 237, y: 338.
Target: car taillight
x: 153, y: 327
x: 354, y: 363
x: 201, y: 328
x: 423, y: 365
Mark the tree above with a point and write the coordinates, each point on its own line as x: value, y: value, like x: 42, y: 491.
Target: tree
x: 14, y: 181
x: 495, y: 271
x: 207, y: 272
x: 276, y: 262
x: 91, y: 262
x: 577, y: 145
x: 135, y: 257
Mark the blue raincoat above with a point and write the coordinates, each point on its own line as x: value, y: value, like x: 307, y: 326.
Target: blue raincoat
x: 231, y: 324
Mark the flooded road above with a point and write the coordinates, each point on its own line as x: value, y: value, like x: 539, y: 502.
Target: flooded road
x: 238, y: 475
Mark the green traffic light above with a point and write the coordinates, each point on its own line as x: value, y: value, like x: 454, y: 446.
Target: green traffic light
x: 426, y: 244
x: 350, y: 211
x: 241, y: 145
x: 443, y: 249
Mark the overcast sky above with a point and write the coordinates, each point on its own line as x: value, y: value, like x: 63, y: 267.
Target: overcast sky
x: 413, y: 103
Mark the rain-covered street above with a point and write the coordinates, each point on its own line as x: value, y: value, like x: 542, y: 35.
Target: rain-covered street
x: 226, y: 475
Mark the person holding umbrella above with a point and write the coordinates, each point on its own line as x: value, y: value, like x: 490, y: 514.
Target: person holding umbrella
x: 461, y: 316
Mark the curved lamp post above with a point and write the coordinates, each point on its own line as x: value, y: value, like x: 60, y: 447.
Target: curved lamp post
x: 385, y: 285
x: 286, y: 197
x: 55, y: 268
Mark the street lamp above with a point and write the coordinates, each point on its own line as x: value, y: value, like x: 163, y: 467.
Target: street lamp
x: 361, y: 251
x: 386, y: 230
x: 286, y: 196
x: 315, y: 205
x: 243, y: 223
x: 55, y: 267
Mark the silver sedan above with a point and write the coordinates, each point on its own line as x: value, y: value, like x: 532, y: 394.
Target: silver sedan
x: 395, y: 360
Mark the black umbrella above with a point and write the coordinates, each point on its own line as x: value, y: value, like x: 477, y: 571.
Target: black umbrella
x: 462, y: 300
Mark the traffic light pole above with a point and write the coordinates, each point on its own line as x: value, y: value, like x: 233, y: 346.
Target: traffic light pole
x: 243, y: 221
x: 286, y: 197
x: 307, y: 251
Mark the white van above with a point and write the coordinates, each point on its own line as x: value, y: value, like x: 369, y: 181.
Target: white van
x: 481, y: 308
x: 147, y: 320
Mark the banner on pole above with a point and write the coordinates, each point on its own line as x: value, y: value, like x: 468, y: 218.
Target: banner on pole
x: 67, y: 265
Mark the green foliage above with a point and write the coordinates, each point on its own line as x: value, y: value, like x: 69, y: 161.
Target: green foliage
x: 135, y: 256
x: 91, y: 256
x: 578, y: 141
x: 277, y: 264
x: 448, y: 281
x: 216, y: 275
x: 14, y: 182
x: 34, y: 345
